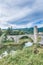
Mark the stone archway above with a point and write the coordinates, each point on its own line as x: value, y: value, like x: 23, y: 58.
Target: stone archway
x: 26, y: 38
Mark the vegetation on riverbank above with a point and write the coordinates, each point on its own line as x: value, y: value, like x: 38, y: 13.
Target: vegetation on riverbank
x: 26, y: 56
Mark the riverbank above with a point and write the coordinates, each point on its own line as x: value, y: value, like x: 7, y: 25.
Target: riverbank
x: 26, y: 56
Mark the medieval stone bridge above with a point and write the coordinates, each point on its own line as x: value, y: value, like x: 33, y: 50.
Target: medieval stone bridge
x: 17, y: 37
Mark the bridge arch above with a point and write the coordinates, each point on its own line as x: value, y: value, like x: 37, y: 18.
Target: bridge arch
x: 26, y: 37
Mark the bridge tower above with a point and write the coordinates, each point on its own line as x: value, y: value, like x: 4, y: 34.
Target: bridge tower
x: 35, y: 34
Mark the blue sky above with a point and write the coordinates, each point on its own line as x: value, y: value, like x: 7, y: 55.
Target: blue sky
x: 21, y: 13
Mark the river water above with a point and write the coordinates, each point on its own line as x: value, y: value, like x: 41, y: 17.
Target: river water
x: 28, y: 44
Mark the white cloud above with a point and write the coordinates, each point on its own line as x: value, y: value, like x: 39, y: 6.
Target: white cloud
x: 13, y: 10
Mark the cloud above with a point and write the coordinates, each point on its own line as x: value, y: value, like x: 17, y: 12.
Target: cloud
x: 21, y: 13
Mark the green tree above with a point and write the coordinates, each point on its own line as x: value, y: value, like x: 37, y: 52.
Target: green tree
x: 0, y: 31
x: 9, y: 31
x: 21, y: 32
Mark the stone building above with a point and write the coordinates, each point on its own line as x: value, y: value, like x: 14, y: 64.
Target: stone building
x: 35, y: 34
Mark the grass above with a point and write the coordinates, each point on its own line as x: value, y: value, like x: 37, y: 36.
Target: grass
x: 26, y: 56
x: 20, y: 43
x: 12, y: 45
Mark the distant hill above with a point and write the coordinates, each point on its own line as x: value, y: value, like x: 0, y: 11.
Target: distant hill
x: 30, y: 30
x: 40, y: 29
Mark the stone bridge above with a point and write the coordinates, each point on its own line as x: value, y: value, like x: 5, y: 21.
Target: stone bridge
x: 17, y: 37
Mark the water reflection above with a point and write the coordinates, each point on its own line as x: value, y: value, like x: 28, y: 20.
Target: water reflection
x: 28, y: 44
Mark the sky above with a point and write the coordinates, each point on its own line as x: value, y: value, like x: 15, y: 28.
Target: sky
x: 21, y: 13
